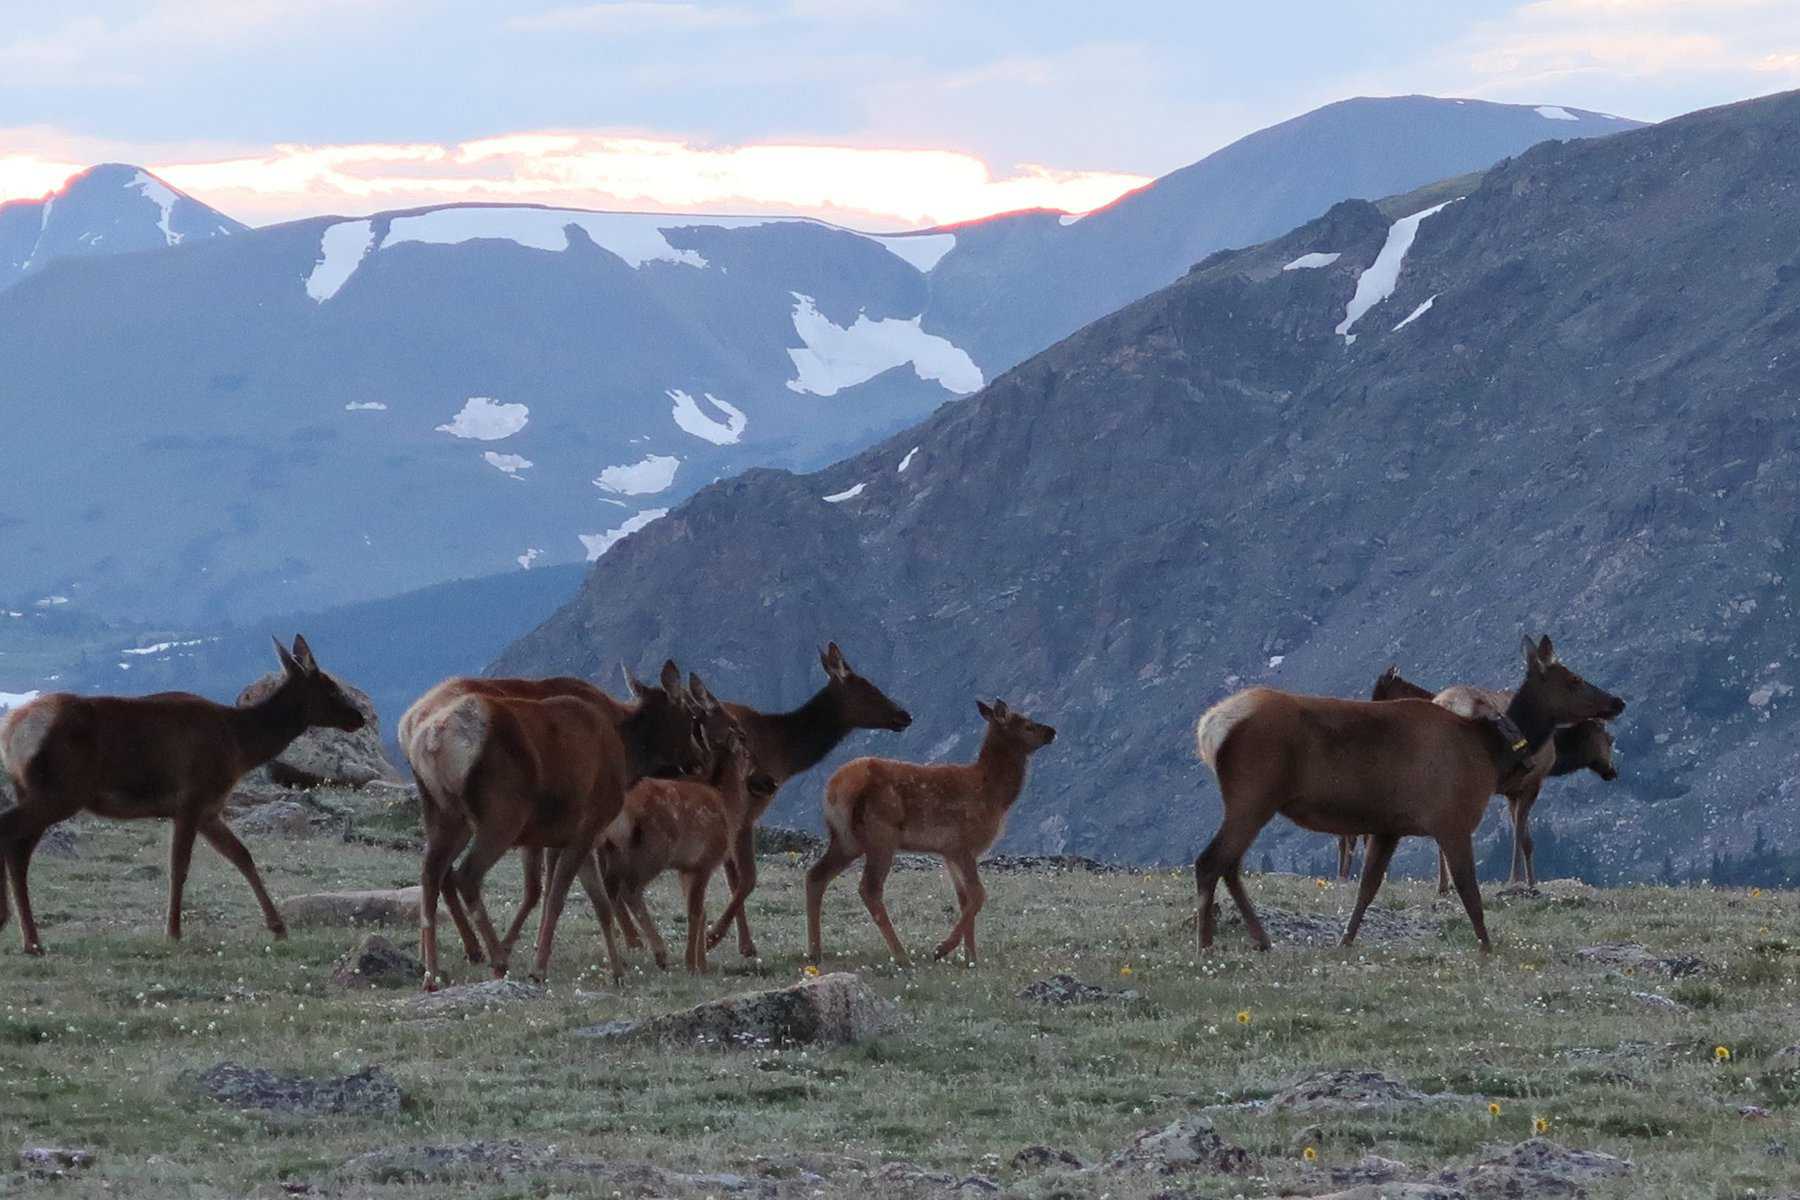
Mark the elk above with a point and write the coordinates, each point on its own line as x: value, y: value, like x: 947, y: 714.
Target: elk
x: 501, y: 767
x: 171, y: 755
x: 875, y: 807
x: 784, y: 745
x: 1586, y: 745
x: 1391, y: 769
x: 684, y: 825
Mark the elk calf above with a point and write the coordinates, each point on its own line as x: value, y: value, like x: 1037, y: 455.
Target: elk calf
x: 875, y: 807
x: 171, y: 755
x: 1392, y: 769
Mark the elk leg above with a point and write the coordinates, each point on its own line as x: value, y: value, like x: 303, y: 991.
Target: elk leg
x: 218, y: 835
x: 432, y: 815
x: 694, y: 884
x: 619, y: 894
x: 17, y: 841
x: 1234, y: 883
x: 1381, y: 849
x: 444, y: 840
x: 557, y: 893
x: 1522, y: 846
x: 834, y: 862
x: 659, y: 949
x: 740, y: 874
x: 1461, y: 853
x: 533, y: 858
x: 492, y: 841
x: 735, y: 905
x: 1443, y: 875
x: 181, y: 854
x: 970, y: 896
x: 1346, y: 855
x: 877, y: 862
x: 595, y: 886
x: 1220, y: 860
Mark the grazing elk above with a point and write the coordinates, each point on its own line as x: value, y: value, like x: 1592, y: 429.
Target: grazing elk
x: 171, y: 755
x: 684, y: 825
x: 784, y: 745
x: 1393, y: 769
x: 875, y: 807
x: 1586, y: 745
x: 504, y: 769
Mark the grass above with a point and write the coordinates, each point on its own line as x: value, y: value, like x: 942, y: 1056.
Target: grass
x: 95, y: 1037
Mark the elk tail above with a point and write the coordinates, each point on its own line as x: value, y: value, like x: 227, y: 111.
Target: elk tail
x: 1218, y: 723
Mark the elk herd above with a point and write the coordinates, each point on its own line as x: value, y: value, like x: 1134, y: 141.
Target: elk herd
x: 616, y: 793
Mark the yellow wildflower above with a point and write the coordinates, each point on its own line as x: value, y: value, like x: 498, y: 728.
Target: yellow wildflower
x: 810, y: 971
x: 1309, y: 1154
x: 1125, y: 970
x: 1320, y: 883
x: 1540, y: 1125
x: 1243, y: 1016
x: 1493, y: 1109
x: 1755, y: 892
x: 1722, y: 1053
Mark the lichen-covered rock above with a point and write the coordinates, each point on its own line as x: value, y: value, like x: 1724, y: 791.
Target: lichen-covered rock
x: 1534, y: 1168
x: 1395, y: 1191
x: 53, y: 1162
x: 370, y: 1091
x: 1060, y: 991
x: 283, y: 818
x: 1190, y: 1144
x: 392, y: 906
x: 832, y: 1009
x: 471, y: 997
x: 327, y: 755
x: 1346, y: 1091
x: 1042, y: 1158
x: 376, y: 962
x: 500, y: 1160
x: 1635, y: 959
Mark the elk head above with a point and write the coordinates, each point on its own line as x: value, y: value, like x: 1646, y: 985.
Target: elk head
x: 666, y: 734
x: 863, y: 705
x: 1559, y: 693
x: 321, y: 700
x: 1016, y: 727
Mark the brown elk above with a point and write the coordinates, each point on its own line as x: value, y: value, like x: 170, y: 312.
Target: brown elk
x: 684, y: 825
x: 1586, y: 745
x: 785, y: 744
x: 171, y: 755
x: 504, y: 769
x: 875, y: 807
x: 1393, y: 769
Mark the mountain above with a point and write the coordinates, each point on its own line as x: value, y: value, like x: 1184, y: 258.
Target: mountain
x: 379, y: 403
x: 110, y: 209
x: 1567, y: 402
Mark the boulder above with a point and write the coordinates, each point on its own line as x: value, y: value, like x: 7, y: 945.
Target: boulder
x: 1534, y: 1168
x: 471, y: 997
x: 377, y: 962
x: 832, y: 1009
x: 1044, y: 1158
x: 321, y: 756
x: 1347, y: 1091
x: 53, y: 1162
x: 1394, y: 1191
x: 433, y: 1163
x: 1190, y: 1144
x: 282, y: 818
x: 393, y: 906
x: 1633, y: 958
x: 368, y: 1092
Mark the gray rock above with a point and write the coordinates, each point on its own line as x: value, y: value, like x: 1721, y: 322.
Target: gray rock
x: 369, y: 1092
x: 1397, y: 1191
x: 53, y: 1162
x: 1060, y: 991
x: 833, y: 1009
x: 377, y: 962
x: 1629, y: 956
x: 1040, y: 1158
x: 1347, y: 1091
x: 1189, y: 1144
x: 392, y: 906
x: 1371, y: 1168
x: 1535, y: 1168
x: 327, y: 755
x: 279, y: 817
x: 432, y: 1163
x: 471, y: 997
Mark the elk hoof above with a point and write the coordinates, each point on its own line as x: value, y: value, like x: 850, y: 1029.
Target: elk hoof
x: 278, y: 931
x: 35, y: 949
x: 499, y: 970
x: 431, y: 984
x: 748, y: 950
x: 943, y: 951
x: 537, y: 978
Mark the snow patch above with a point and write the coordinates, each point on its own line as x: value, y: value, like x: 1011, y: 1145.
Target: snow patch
x: 530, y: 556
x: 52, y: 601
x: 16, y: 699
x: 1377, y: 283
x: 597, y: 544
x: 159, y: 647
x: 652, y: 474
x: 1552, y: 113
x: 907, y: 461
x: 1417, y: 312
x: 365, y: 406
x: 1069, y: 218
x: 692, y: 419
x: 922, y: 251
x: 342, y: 248
x: 846, y: 494
x: 635, y: 237
x: 156, y: 190
x: 487, y: 420
x: 834, y: 358
x: 508, y: 464
x: 1308, y: 262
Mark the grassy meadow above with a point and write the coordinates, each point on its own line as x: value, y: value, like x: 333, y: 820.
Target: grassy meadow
x: 95, y: 1038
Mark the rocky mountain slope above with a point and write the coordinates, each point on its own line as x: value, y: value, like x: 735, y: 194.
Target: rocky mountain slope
x: 380, y: 403
x: 1565, y: 402
x: 110, y: 209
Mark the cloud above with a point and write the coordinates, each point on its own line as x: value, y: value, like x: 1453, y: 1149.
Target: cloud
x: 638, y: 16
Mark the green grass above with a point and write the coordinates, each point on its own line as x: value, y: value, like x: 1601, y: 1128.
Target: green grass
x: 94, y: 1037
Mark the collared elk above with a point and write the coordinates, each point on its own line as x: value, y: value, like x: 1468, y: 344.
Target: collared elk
x: 684, y: 825
x: 785, y: 744
x: 504, y: 769
x: 1586, y: 745
x: 171, y: 755
x: 875, y: 807
x: 1392, y: 769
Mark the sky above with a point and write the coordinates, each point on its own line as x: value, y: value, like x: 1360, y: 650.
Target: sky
x: 880, y: 114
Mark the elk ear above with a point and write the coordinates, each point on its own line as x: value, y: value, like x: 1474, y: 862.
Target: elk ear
x: 632, y: 683
x: 1001, y: 710
x: 288, y: 665
x: 1546, y: 651
x: 987, y: 714
x: 698, y: 691
x: 1532, y: 662
x: 671, y: 679
x: 303, y: 655
x: 833, y: 661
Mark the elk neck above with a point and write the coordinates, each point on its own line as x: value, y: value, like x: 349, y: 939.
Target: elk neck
x: 266, y: 728
x: 1533, y: 720
x: 810, y: 732
x: 1002, y: 766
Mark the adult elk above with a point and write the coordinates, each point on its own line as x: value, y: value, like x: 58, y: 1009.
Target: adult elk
x: 1400, y: 768
x: 875, y: 807
x: 784, y: 745
x: 171, y: 755
x: 503, y: 768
